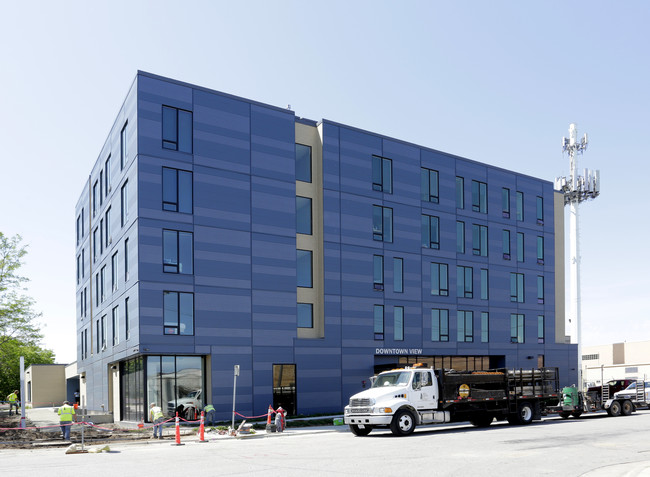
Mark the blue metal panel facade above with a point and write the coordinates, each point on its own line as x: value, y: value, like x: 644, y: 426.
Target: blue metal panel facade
x: 244, y: 253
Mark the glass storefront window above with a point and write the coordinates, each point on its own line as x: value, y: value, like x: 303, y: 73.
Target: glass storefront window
x: 131, y: 373
x: 175, y: 383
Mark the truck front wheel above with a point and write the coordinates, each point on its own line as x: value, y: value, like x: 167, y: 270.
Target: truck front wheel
x: 403, y: 423
x: 358, y: 431
x: 615, y: 409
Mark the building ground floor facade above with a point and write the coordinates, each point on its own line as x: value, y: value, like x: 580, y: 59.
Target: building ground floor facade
x: 303, y: 380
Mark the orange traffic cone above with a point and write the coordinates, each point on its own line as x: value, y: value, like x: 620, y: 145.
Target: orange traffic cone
x: 269, y: 425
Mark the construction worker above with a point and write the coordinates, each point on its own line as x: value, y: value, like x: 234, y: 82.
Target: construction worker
x: 66, y: 413
x: 279, y: 419
x: 13, y: 401
x: 209, y: 415
x: 156, y: 416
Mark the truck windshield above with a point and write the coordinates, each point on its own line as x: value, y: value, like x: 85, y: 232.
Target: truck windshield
x: 398, y: 378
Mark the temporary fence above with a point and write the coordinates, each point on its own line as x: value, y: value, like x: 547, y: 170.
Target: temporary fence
x: 177, y: 421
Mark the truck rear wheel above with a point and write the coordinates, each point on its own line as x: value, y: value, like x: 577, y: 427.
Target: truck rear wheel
x: 403, y: 423
x: 576, y: 414
x: 525, y: 413
x: 565, y: 414
x: 627, y: 407
x: 615, y: 409
x: 358, y: 431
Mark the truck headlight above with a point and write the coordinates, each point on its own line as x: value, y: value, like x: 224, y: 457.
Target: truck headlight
x: 346, y: 410
x: 384, y: 410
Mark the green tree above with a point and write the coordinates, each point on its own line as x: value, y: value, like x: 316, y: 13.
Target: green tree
x: 17, y: 317
x: 10, y: 355
x: 19, y: 330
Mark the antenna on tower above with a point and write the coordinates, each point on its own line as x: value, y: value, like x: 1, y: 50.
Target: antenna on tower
x: 576, y: 189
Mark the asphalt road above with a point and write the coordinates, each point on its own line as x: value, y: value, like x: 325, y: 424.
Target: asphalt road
x: 591, y: 446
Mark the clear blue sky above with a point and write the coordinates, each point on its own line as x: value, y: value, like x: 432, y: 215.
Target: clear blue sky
x: 498, y: 82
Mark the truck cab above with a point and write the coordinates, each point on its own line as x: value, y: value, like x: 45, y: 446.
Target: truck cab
x: 395, y: 400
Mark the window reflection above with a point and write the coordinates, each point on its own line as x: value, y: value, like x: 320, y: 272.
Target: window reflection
x: 175, y: 383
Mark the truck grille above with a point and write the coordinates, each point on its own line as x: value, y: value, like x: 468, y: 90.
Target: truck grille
x: 359, y: 402
x: 359, y: 410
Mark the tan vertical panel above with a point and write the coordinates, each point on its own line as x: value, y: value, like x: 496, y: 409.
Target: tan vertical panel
x: 310, y: 136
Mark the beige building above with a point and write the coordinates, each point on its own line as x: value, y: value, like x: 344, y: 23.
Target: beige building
x: 616, y: 361
x: 45, y: 385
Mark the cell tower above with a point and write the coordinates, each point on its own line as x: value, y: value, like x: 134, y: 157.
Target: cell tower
x: 576, y: 189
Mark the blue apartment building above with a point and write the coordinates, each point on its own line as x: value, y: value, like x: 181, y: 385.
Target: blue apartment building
x: 216, y: 231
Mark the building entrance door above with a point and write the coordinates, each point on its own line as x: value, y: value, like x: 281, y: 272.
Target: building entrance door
x: 284, y: 387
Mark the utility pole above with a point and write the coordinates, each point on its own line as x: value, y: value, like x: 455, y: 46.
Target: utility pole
x: 576, y: 189
x: 234, y: 393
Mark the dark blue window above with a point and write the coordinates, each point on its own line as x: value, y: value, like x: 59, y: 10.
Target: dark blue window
x: 429, y: 185
x: 439, y: 325
x: 460, y: 192
x: 520, y: 247
x: 465, y: 326
x: 177, y: 129
x: 540, y: 211
x: 479, y: 197
x: 123, y: 146
x: 305, y: 315
x: 398, y: 323
x: 398, y: 275
x: 506, y: 244
x: 303, y: 163
x: 520, y: 206
x: 382, y: 174
x: 505, y: 203
x: 460, y: 237
x: 517, y: 287
x: 378, y: 272
x: 430, y: 232
x: 177, y: 190
x: 303, y: 215
x: 378, y: 317
x: 485, y: 327
x: 465, y: 282
x: 479, y: 240
x: 382, y: 223
x: 517, y: 328
x: 177, y: 252
x: 439, y: 279
x: 304, y: 268
x: 178, y: 313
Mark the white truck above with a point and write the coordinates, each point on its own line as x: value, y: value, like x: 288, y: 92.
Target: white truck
x: 402, y: 399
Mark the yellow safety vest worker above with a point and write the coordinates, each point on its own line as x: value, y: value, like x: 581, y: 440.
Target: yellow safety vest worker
x: 12, y: 398
x: 65, y: 413
x: 156, y: 413
x: 208, y: 408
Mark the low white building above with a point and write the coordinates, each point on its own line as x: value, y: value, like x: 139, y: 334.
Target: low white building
x: 616, y: 361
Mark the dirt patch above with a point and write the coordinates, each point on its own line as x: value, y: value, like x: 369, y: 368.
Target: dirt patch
x: 11, y: 436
